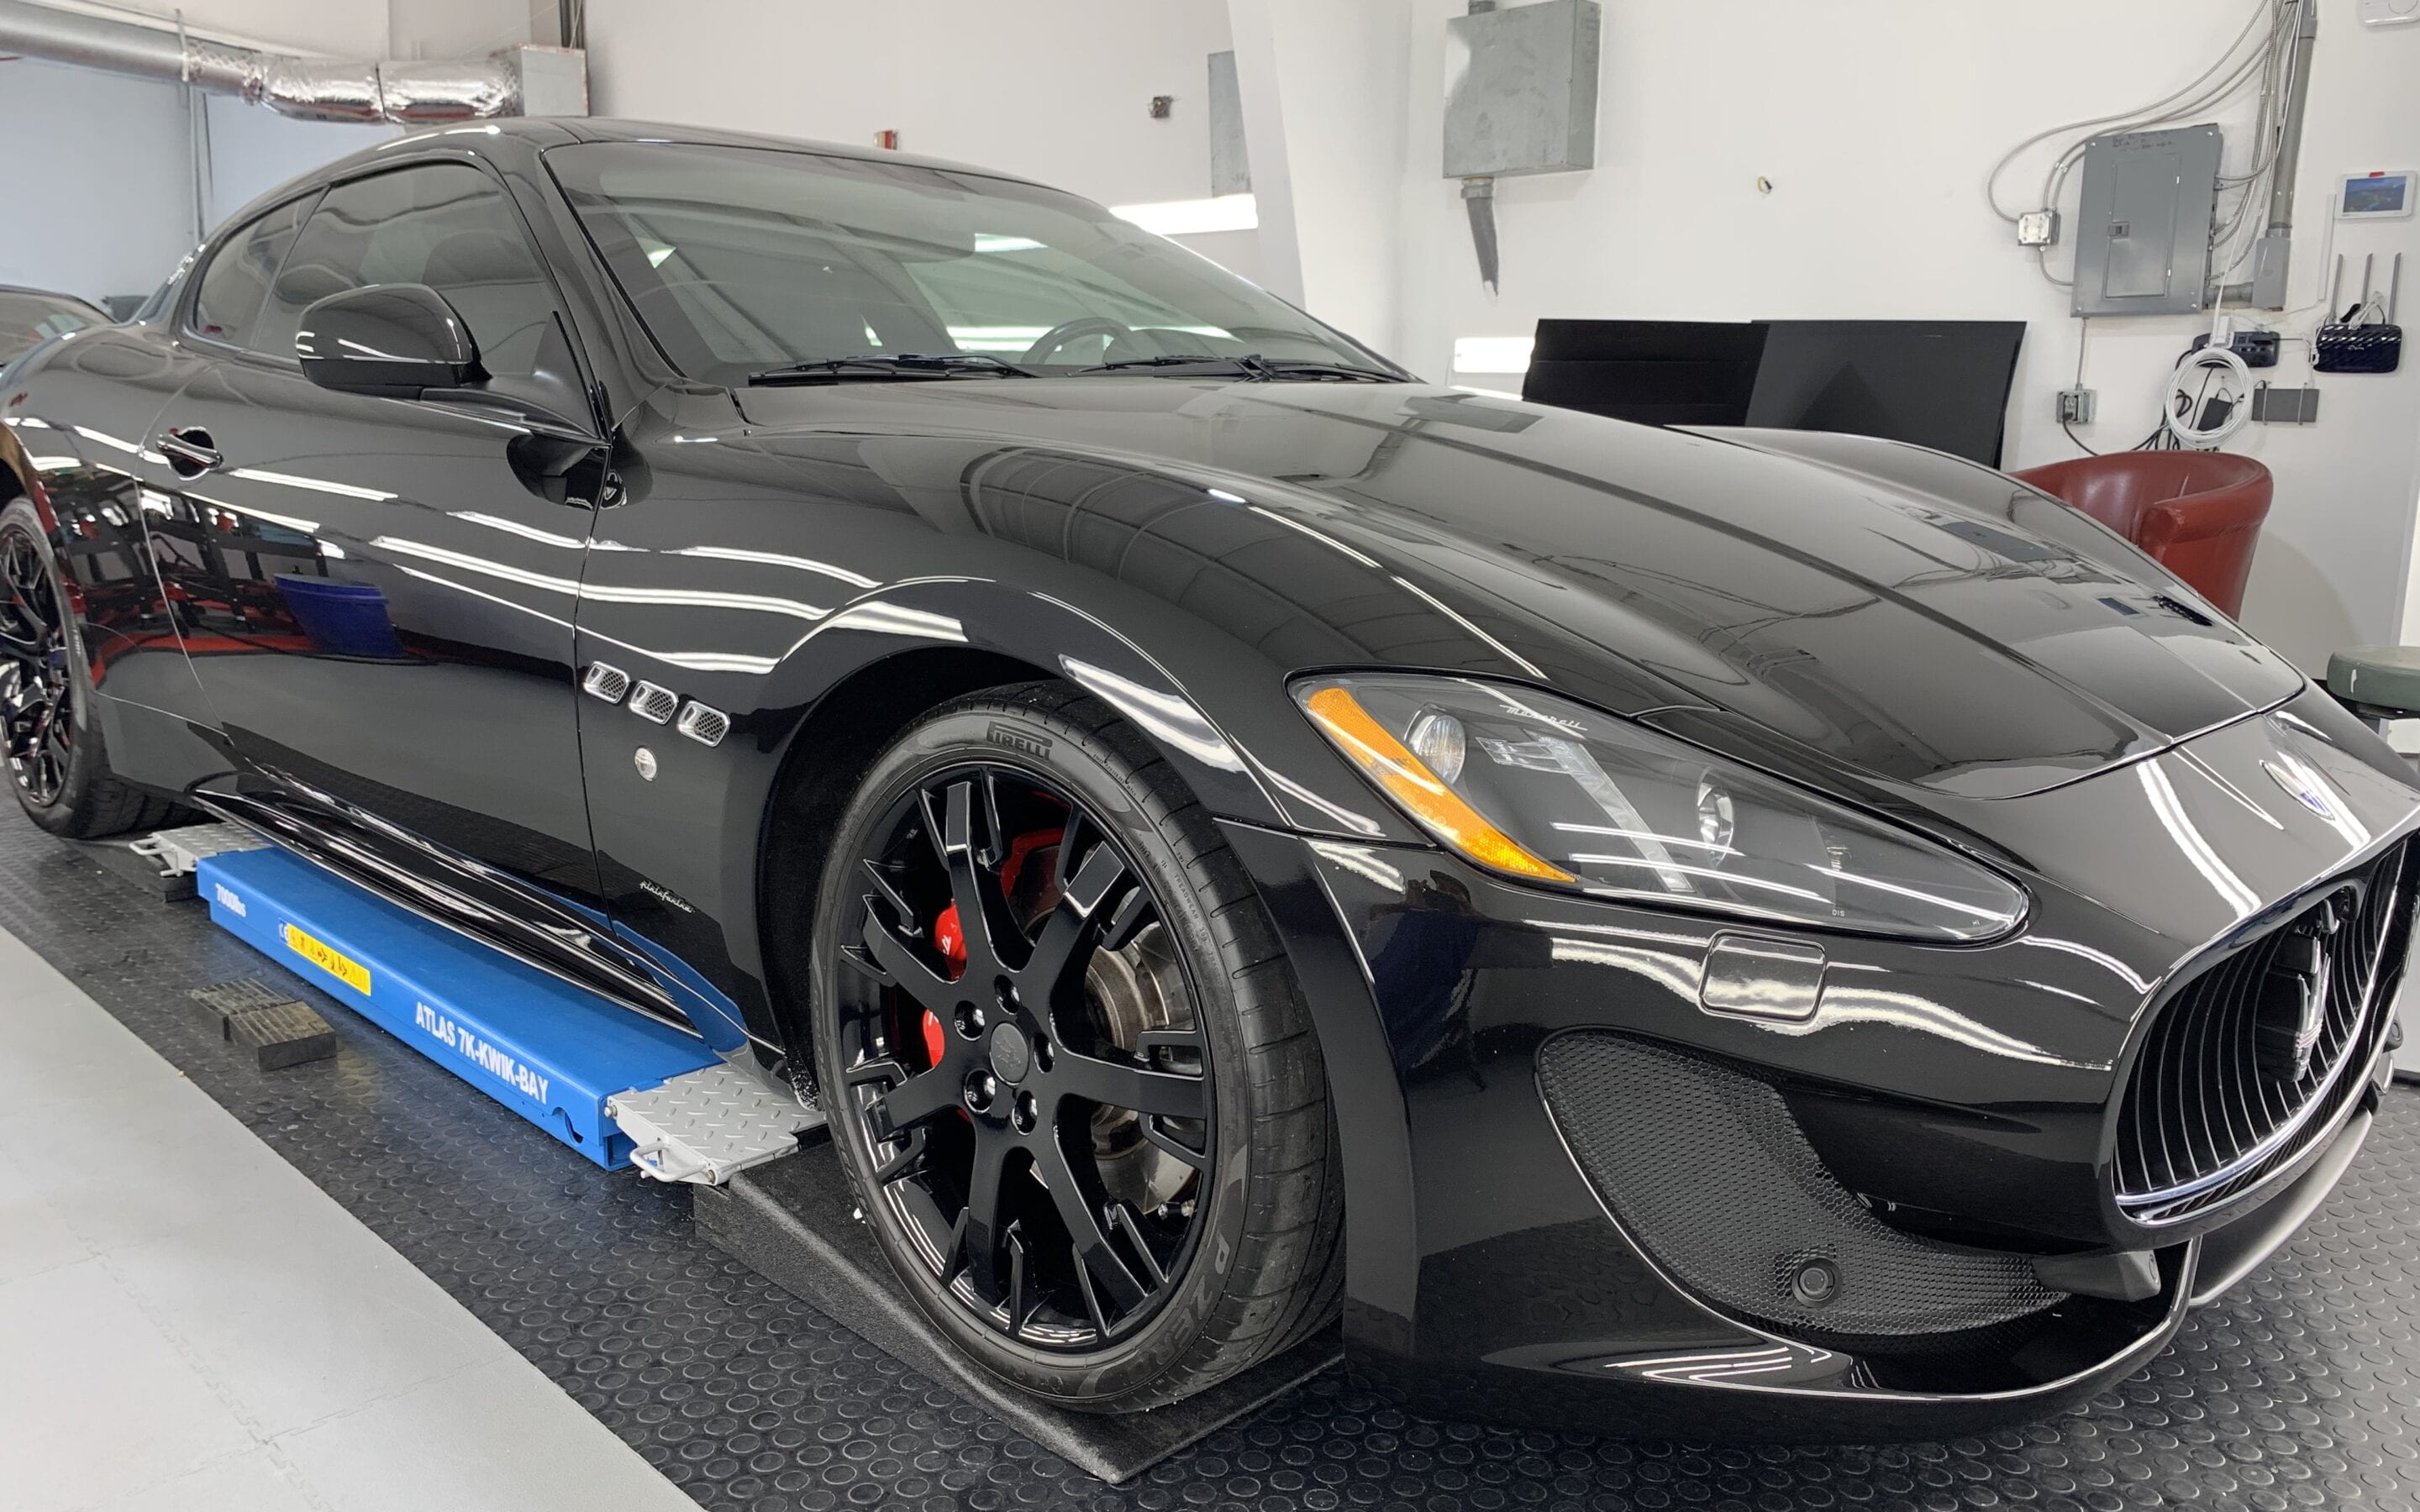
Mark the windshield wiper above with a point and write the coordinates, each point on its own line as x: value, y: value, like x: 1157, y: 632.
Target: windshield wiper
x: 1245, y: 365
x: 880, y: 366
x: 1286, y: 367
x: 1251, y: 365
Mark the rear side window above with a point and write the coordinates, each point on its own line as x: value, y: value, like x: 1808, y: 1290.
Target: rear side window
x: 236, y: 283
x: 444, y: 224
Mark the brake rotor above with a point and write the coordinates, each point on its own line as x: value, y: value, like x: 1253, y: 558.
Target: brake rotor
x: 1127, y: 992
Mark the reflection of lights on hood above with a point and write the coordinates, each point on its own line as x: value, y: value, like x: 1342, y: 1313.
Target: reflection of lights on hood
x: 775, y: 559
x: 1315, y: 534
x: 288, y: 479
x: 1169, y: 716
x: 1500, y: 648
x: 55, y: 464
x: 2170, y: 810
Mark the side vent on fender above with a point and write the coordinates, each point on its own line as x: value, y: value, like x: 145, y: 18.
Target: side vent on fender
x: 604, y: 682
x: 703, y: 725
x: 654, y: 702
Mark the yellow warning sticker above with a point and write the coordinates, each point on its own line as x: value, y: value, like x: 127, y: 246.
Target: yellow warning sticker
x: 330, y: 960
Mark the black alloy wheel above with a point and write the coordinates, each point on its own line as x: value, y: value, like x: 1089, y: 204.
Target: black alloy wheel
x: 35, y: 709
x: 1023, y: 1051
x: 1067, y: 1066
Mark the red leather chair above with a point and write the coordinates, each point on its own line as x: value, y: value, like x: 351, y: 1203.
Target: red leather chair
x: 2196, y: 514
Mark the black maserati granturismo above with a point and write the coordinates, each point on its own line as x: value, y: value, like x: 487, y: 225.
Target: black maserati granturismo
x: 1727, y: 932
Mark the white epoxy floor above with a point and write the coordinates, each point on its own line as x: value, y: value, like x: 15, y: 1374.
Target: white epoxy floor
x: 187, y: 1323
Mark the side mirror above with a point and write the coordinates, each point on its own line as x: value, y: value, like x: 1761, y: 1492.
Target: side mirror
x: 388, y: 340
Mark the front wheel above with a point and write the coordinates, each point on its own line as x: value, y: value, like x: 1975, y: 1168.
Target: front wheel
x: 55, y: 760
x: 1066, y: 1062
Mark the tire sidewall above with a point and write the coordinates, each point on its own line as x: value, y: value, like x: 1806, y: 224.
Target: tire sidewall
x: 60, y: 813
x: 1099, y: 768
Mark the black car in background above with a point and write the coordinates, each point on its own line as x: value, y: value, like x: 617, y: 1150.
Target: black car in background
x: 30, y: 317
x: 1749, y: 933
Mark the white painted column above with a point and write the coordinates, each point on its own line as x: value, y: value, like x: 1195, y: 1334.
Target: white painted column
x: 1324, y: 87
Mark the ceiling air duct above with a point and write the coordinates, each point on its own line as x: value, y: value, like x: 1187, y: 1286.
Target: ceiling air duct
x: 519, y: 81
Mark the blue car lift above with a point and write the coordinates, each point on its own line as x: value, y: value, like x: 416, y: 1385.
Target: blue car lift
x: 619, y: 1088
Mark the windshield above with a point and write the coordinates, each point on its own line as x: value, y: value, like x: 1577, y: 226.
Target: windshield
x: 745, y: 259
x: 28, y: 319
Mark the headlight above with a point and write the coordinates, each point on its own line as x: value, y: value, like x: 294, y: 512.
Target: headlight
x: 1543, y: 789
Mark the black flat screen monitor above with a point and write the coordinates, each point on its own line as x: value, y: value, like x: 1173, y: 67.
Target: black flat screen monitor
x: 1938, y: 383
x: 1655, y: 371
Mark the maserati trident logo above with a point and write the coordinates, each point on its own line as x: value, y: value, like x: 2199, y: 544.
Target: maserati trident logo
x: 2303, y: 785
x: 2293, y: 997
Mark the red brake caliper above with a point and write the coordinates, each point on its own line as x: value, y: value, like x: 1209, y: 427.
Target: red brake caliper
x: 950, y: 938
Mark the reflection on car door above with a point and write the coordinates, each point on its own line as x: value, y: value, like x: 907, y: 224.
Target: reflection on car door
x: 377, y: 606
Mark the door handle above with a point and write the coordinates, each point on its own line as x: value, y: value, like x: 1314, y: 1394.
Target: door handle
x: 190, y: 451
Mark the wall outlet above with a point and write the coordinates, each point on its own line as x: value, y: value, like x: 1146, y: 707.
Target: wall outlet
x: 2039, y: 228
x: 2076, y: 407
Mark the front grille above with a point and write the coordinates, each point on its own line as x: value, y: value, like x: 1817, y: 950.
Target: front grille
x: 2223, y: 1093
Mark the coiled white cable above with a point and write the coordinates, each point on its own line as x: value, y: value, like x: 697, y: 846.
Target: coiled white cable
x: 2188, y: 396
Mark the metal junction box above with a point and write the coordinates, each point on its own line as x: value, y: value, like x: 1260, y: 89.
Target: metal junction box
x: 1520, y: 89
x: 2143, y: 222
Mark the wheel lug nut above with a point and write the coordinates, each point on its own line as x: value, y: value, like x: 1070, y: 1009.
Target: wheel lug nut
x: 1024, y: 1114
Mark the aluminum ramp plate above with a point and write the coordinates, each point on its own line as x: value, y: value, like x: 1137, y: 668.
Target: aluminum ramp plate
x: 709, y: 1125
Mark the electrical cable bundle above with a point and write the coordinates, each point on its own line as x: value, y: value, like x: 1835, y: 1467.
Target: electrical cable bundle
x: 2267, y: 61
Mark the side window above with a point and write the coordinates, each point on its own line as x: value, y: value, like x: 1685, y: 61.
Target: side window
x: 237, y: 280
x: 444, y: 224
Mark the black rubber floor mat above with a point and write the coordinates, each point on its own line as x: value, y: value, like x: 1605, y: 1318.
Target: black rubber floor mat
x: 2298, y: 1390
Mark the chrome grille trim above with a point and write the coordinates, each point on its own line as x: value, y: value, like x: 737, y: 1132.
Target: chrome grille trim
x: 2200, y: 1121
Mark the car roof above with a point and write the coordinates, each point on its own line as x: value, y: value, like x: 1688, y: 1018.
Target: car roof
x: 542, y: 132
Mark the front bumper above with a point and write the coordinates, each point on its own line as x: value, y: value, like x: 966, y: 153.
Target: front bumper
x: 1965, y: 1096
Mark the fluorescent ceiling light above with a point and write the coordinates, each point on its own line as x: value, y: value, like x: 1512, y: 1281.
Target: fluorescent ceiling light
x: 986, y: 241
x: 1191, y: 217
x: 1492, y: 354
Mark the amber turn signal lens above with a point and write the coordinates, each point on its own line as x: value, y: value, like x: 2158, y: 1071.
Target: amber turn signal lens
x: 1409, y: 782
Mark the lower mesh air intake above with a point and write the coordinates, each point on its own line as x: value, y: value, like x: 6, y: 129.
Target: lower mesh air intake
x: 1708, y: 1172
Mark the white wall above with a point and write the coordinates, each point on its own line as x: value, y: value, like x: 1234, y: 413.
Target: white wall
x: 1876, y: 120
x: 1324, y: 90
x: 101, y: 192
x: 336, y: 28
x: 1054, y: 90
x: 104, y: 203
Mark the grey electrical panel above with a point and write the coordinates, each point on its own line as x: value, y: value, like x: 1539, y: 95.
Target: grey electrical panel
x: 1230, y: 166
x: 1520, y: 89
x: 2143, y: 222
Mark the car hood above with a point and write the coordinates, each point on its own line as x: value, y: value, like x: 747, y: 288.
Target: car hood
x: 1872, y: 609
